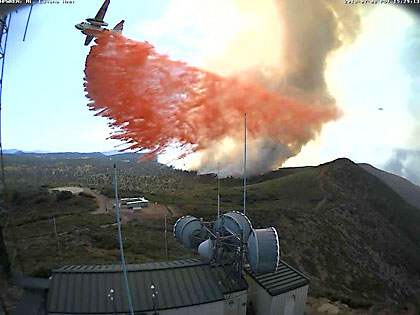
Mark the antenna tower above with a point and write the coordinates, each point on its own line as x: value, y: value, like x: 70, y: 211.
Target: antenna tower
x: 230, y: 240
x: 4, y: 33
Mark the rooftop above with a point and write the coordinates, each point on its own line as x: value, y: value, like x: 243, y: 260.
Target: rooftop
x: 84, y: 289
x: 285, y: 279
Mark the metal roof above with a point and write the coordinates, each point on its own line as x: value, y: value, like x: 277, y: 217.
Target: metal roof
x: 84, y: 289
x: 284, y: 279
x: 32, y: 300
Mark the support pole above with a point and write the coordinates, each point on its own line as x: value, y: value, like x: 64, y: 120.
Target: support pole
x: 218, y: 196
x: 27, y: 22
x: 166, y: 238
x: 4, y: 29
x: 117, y: 214
x: 3, y: 257
x: 58, y: 241
x: 245, y: 164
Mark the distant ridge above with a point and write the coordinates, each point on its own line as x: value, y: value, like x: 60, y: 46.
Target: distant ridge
x: 112, y: 152
x: 403, y: 187
x: 12, y: 151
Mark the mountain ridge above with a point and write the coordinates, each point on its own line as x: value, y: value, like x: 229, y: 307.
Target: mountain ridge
x: 402, y: 186
x: 363, y: 226
x: 357, y: 239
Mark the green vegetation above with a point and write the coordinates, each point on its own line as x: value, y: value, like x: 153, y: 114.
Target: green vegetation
x: 84, y: 238
x: 355, y: 237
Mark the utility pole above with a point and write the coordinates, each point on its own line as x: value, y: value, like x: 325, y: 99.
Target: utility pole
x: 166, y: 237
x: 218, y: 196
x: 3, y: 254
x: 245, y: 164
x: 4, y: 30
x: 117, y: 215
x: 58, y: 241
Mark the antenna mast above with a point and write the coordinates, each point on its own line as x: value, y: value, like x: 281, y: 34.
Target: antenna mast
x: 117, y: 214
x: 27, y: 22
x: 4, y: 260
x: 228, y: 243
x: 218, y: 194
x: 245, y: 164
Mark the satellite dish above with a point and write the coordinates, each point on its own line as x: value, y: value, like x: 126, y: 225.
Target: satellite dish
x: 263, y: 250
x: 261, y: 245
x: 189, y: 231
x: 230, y: 236
x: 234, y: 223
x: 206, y: 249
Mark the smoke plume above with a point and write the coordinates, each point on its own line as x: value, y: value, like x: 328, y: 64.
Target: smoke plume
x: 153, y: 102
x: 308, y: 33
x: 312, y: 30
x: 405, y: 163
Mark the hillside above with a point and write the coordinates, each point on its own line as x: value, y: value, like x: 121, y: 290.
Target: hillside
x: 406, y: 189
x: 346, y: 229
x: 93, y: 169
x: 356, y: 238
x: 349, y: 231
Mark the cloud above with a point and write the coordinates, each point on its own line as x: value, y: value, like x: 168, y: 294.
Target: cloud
x: 405, y: 163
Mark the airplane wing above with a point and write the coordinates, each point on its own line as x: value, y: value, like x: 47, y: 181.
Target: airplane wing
x: 119, y: 26
x: 88, y: 39
x: 101, y: 13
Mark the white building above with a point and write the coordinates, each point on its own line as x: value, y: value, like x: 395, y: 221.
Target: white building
x: 283, y: 292
x: 136, y: 203
x: 185, y: 287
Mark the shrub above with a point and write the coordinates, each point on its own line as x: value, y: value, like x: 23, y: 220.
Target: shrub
x: 64, y: 195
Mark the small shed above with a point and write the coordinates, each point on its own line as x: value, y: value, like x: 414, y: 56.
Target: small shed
x: 283, y: 292
x: 134, y: 203
x: 125, y: 201
x: 184, y: 287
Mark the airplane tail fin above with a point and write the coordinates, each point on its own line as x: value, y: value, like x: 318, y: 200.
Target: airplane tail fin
x: 119, y: 27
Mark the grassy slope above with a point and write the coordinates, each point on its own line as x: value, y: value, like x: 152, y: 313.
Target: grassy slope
x: 84, y: 238
x: 345, y: 228
x: 355, y: 238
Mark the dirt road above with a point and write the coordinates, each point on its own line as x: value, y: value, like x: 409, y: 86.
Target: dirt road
x: 152, y: 211
x: 104, y: 204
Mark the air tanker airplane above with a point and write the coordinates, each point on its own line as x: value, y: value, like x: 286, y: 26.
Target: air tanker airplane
x: 96, y: 25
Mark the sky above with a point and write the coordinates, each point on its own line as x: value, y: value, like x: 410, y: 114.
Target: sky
x: 364, y: 78
x: 44, y: 107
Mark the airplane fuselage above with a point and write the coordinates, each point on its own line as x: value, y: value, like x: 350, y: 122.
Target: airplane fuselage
x: 89, y: 29
x: 95, y: 26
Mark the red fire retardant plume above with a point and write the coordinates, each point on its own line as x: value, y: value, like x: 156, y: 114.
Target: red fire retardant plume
x: 152, y: 101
